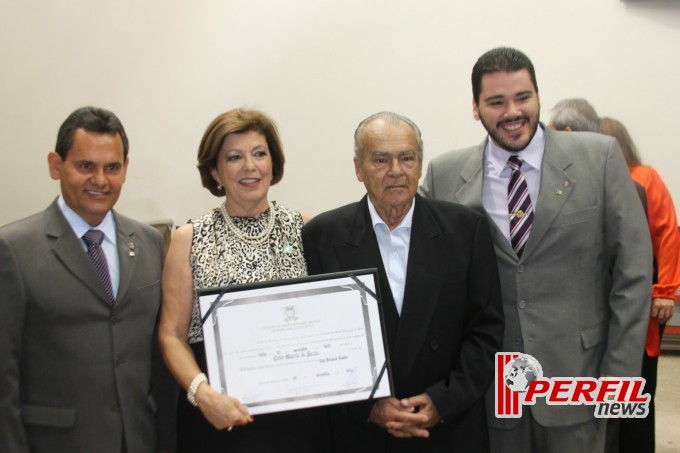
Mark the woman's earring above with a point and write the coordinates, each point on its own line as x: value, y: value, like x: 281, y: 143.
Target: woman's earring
x: 219, y: 187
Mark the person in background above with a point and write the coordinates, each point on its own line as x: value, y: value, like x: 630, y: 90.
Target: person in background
x: 246, y: 239
x: 637, y: 435
x: 80, y: 292
x: 578, y: 115
x: 572, y: 245
x: 574, y: 115
x: 439, y: 292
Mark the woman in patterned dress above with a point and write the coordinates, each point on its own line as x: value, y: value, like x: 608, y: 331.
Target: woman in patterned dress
x: 246, y: 239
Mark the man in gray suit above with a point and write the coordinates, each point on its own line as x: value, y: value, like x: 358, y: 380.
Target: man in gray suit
x: 571, y: 243
x: 77, y: 320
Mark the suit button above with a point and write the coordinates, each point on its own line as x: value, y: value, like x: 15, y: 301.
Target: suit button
x: 434, y: 345
x: 522, y: 304
x: 114, y: 407
x: 518, y: 342
x: 520, y: 268
x: 120, y: 361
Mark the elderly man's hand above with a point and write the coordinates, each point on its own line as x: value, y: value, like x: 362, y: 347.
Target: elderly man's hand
x: 408, y: 417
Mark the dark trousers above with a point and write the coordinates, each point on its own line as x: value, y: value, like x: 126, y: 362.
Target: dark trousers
x: 636, y: 435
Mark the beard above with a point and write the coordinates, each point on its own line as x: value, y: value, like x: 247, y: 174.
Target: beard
x: 511, y: 145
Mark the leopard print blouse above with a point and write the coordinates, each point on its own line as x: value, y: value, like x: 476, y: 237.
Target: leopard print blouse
x: 219, y: 258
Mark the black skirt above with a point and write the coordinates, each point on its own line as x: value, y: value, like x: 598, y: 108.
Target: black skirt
x: 298, y: 431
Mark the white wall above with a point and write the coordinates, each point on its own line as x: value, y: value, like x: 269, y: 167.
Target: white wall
x: 168, y: 67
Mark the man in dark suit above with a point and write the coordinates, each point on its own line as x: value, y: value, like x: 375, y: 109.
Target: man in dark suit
x: 573, y: 250
x: 78, y: 319
x: 440, y: 298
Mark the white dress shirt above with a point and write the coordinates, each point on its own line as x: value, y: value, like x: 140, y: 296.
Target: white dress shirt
x: 109, y: 244
x: 497, y: 177
x: 394, y: 246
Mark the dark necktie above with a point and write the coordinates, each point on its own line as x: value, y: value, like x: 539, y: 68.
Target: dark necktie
x: 519, y: 206
x: 93, y: 239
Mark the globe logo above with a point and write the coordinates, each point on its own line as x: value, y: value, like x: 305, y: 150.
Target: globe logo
x: 521, y: 371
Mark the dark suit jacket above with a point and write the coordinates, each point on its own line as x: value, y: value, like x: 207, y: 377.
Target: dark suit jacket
x: 76, y: 372
x: 450, y: 327
x: 578, y: 298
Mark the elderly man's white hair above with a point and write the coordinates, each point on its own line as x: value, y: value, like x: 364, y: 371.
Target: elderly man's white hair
x: 392, y: 118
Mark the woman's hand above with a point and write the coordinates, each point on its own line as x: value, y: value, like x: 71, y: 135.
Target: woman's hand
x: 222, y: 411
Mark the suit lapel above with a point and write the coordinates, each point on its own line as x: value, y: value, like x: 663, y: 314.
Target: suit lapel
x: 423, y: 288
x: 71, y: 252
x: 360, y: 251
x: 128, y: 251
x: 470, y: 194
x: 556, y: 186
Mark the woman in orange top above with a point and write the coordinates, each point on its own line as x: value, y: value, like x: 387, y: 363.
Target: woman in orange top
x: 638, y: 434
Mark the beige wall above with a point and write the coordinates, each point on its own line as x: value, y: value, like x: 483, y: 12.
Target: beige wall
x: 317, y: 67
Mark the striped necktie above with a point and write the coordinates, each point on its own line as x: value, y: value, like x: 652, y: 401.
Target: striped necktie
x: 519, y: 206
x: 93, y: 239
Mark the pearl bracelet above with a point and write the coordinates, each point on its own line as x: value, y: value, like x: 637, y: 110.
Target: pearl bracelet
x: 191, y: 393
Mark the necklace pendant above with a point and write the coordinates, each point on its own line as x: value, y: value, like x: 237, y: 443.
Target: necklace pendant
x: 287, y: 249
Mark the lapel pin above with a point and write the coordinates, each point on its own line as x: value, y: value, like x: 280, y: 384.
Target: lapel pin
x: 131, y: 248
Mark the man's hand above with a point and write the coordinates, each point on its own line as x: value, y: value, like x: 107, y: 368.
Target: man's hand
x: 662, y: 309
x: 409, y: 417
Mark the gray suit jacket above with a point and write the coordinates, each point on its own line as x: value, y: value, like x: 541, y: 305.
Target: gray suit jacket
x: 76, y: 372
x: 578, y: 299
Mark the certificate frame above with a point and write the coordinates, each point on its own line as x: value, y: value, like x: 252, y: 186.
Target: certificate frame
x: 297, y: 343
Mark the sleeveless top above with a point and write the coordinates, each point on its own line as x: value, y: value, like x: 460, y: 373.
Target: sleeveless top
x: 220, y: 258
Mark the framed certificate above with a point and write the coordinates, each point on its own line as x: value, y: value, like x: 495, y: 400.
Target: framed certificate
x: 297, y: 343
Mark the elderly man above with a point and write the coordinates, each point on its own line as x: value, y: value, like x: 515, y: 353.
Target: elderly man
x: 572, y: 245
x: 440, y: 298
x: 79, y: 299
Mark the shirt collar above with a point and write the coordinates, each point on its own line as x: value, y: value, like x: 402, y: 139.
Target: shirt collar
x: 375, y: 217
x: 532, y: 155
x: 80, y: 226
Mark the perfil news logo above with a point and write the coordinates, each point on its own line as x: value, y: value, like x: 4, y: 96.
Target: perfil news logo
x: 519, y: 381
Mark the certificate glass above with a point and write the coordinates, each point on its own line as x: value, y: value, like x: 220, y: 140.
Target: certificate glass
x: 291, y: 344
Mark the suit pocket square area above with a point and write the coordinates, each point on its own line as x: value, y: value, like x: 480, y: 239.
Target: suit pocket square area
x: 57, y: 417
x: 578, y: 216
x: 593, y: 336
x: 151, y: 288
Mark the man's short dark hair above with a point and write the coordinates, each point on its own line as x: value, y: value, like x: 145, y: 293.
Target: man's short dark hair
x: 500, y: 59
x: 92, y: 119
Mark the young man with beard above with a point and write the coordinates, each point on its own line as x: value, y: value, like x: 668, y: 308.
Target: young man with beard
x: 571, y: 243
